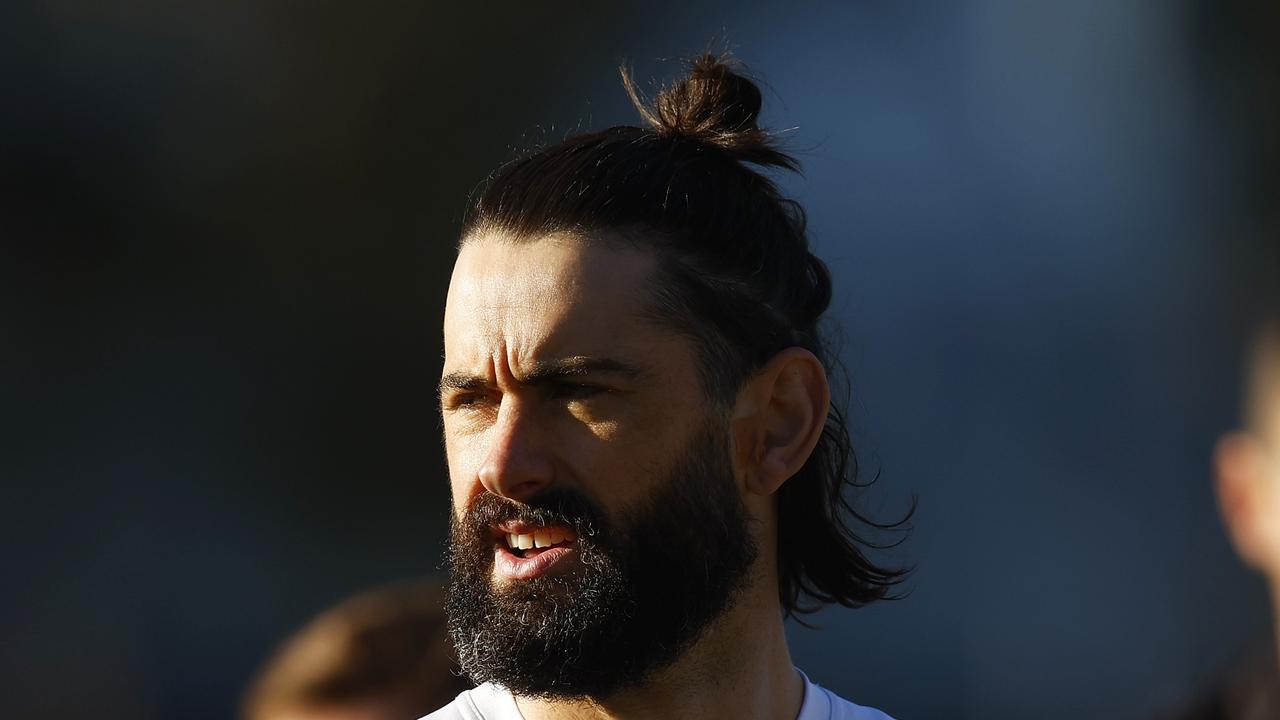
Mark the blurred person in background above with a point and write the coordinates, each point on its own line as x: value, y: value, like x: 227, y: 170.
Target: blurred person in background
x: 1247, y: 463
x: 647, y: 472
x: 381, y: 655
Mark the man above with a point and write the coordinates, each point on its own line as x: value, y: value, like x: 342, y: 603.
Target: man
x: 647, y: 474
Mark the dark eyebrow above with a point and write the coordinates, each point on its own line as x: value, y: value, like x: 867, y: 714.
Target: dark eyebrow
x: 461, y: 381
x: 579, y: 366
x: 546, y: 371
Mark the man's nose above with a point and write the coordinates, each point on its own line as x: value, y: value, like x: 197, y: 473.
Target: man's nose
x: 518, y: 465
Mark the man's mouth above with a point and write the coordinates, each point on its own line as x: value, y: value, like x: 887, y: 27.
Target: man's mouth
x: 524, y: 551
x: 529, y: 544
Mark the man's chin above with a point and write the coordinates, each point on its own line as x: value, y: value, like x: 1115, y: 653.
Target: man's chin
x: 614, y: 610
x: 526, y: 592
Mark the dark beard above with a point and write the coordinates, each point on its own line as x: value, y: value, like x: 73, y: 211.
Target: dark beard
x: 645, y: 591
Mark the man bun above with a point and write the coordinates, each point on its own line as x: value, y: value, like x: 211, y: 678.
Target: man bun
x: 712, y: 105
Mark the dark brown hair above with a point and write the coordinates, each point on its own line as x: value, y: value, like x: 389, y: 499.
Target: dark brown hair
x: 735, y: 275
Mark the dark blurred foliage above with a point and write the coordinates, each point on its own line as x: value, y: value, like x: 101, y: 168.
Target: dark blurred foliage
x: 226, y: 230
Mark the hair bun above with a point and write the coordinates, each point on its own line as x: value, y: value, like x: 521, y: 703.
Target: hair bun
x: 712, y: 105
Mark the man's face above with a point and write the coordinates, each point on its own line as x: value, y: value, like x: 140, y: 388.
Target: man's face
x: 597, y: 525
x: 552, y: 377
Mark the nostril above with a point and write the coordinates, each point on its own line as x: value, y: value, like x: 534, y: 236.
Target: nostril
x: 517, y: 466
x: 516, y: 478
x: 515, y: 485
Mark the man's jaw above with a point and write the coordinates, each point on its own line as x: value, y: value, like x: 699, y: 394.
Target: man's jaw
x: 523, y: 550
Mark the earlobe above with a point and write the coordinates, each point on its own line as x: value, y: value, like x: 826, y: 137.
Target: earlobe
x: 790, y: 397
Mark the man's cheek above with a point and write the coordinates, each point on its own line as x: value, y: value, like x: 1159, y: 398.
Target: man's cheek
x: 461, y: 492
x: 459, y: 507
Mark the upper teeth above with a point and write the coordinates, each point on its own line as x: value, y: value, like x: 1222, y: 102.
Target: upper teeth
x: 538, y: 538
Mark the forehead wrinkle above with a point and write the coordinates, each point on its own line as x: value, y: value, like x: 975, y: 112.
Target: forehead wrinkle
x: 571, y: 305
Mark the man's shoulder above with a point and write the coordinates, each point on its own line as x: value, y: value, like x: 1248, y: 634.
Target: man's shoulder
x: 842, y: 709
x: 486, y: 702
x: 489, y: 702
x: 822, y: 704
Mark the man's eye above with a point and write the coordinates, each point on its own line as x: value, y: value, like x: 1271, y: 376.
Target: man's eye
x: 463, y: 401
x: 577, y: 391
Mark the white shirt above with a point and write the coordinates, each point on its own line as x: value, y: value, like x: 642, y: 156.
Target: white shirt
x: 490, y: 702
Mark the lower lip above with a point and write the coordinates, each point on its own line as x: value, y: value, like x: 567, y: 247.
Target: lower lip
x: 513, y: 567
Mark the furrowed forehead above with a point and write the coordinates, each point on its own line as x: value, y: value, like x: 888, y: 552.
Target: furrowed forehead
x: 551, y: 297
x: 553, y: 370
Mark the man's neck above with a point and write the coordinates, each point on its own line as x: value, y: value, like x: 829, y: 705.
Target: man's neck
x: 739, y: 668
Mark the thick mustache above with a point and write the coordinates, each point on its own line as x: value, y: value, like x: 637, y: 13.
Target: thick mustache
x: 554, y: 507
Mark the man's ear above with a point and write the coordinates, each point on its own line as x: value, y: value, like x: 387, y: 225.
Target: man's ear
x: 1239, y: 483
x: 779, y: 419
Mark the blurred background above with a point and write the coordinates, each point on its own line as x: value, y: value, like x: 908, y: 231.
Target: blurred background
x: 226, y: 231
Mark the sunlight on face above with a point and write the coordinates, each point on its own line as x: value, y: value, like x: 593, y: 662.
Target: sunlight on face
x: 553, y: 375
